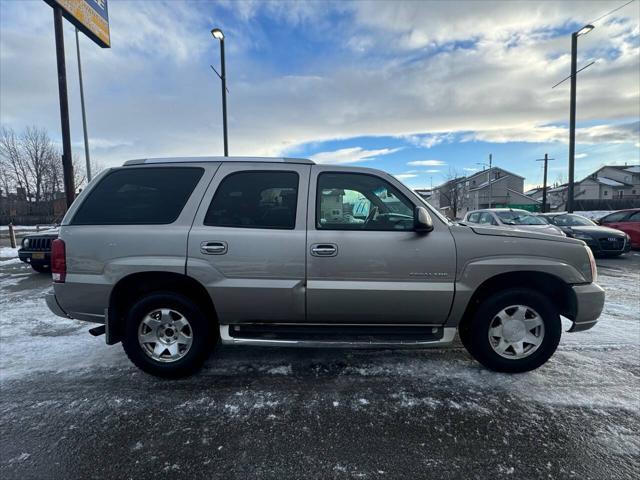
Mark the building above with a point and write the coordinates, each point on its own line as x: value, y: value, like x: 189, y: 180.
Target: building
x: 609, y: 187
x: 494, y: 187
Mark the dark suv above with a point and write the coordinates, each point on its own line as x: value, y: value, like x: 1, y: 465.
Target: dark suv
x: 35, y: 249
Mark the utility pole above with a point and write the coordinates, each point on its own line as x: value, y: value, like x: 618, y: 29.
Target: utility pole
x: 67, y: 165
x: 84, y: 116
x: 490, y: 182
x: 544, y: 182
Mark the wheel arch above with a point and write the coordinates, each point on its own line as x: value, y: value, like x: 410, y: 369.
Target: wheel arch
x: 558, y: 291
x: 131, y: 287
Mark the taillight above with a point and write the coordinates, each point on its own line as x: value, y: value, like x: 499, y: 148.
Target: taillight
x: 58, y: 261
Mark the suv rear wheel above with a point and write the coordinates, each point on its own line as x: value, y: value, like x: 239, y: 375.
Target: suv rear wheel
x: 167, y: 335
x: 514, y: 331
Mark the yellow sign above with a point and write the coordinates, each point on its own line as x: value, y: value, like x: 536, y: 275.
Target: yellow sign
x: 90, y: 16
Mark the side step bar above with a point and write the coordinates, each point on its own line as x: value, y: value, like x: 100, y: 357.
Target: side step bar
x: 337, y: 336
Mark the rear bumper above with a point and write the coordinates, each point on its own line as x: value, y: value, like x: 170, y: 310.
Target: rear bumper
x: 589, y: 305
x: 54, y: 306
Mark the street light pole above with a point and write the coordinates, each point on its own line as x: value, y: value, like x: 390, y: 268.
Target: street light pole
x: 572, y: 113
x: 217, y: 33
x: 84, y: 115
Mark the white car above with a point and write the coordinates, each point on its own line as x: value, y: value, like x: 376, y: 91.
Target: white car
x: 512, y: 218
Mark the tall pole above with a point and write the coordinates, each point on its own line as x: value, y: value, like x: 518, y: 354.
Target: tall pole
x: 224, y: 98
x: 490, y: 180
x: 67, y: 165
x: 84, y: 116
x: 544, y: 181
x: 572, y: 121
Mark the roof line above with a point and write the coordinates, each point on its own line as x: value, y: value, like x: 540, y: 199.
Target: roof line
x: 147, y: 161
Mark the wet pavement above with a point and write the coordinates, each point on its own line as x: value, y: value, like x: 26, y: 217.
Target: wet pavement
x: 72, y: 407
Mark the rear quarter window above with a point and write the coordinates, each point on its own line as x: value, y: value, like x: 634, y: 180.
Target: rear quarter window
x: 139, y: 196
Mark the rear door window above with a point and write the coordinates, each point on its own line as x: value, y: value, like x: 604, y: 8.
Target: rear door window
x: 255, y: 200
x: 139, y: 196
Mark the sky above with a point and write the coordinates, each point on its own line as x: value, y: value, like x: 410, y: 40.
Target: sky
x: 423, y: 90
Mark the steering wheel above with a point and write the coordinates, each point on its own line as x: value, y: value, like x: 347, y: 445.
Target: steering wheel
x: 372, y: 213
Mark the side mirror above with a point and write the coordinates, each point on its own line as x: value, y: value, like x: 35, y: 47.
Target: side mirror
x: 422, y: 220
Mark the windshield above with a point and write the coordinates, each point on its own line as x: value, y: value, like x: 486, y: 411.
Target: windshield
x: 571, y: 221
x: 514, y: 217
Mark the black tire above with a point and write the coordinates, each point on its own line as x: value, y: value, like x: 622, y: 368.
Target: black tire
x: 202, y: 332
x: 41, y: 268
x: 476, y: 338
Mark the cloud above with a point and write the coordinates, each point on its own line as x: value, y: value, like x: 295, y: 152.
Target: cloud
x: 426, y: 163
x: 580, y: 155
x: 401, y: 69
x: 350, y: 155
x: 612, y: 133
x: 470, y: 169
x: 405, y: 176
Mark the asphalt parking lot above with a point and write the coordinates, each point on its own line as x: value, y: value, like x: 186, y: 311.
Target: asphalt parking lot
x: 72, y: 407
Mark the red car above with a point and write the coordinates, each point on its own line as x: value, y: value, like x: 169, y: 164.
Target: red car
x: 626, y: 220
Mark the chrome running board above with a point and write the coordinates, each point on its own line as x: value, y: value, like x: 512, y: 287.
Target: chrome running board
x: 448, y: 334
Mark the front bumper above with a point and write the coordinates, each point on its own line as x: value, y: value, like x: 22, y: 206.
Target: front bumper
x: 589, y: 304
x: 35, y: 257
x: 54, y: 306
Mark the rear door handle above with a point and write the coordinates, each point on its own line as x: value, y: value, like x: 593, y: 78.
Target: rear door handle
x: 324, y: 250
x: 213, y: 248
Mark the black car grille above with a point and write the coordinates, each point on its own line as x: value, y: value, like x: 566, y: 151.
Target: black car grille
x: 611, y: 243
x: 43, y: 243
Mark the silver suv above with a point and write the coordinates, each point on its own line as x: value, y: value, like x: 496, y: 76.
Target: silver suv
x: 174, y: 255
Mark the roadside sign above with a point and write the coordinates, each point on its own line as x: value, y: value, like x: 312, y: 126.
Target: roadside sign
x: 90, y: 17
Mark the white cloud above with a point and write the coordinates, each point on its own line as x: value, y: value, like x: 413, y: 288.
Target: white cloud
x: 395, y: 71
x: 405, y: 176
x: 426, y: 163
x: 580, y: 155
x: 350, y: 155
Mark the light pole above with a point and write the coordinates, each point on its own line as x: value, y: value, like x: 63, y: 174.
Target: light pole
x: 572, y: 112
x: 217, y: 33
x: 84, y: 115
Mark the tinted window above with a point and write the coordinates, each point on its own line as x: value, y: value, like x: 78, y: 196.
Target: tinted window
x: 615, y: 217
x: 255, y: 200
x: 143, y: 196
x: 347, y: 201
x: 571, y: 221
x: 635, y: 217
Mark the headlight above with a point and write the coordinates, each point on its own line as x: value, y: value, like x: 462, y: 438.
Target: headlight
x: 582, y: 236
x: 25, y: 243
x: 592, y: 263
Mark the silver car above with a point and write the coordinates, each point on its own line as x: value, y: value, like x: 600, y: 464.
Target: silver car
x: 512, y: 218
x: 173, y: 256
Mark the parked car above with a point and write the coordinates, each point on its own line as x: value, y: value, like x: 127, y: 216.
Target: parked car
x: 602, y: 240
x: 35, y: 249
x: 171, y: 255
x: 512, y: 218
x: 626, y: 220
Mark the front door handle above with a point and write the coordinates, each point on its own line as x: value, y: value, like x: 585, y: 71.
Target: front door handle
x: 213, y: 248
x: 324, y: 250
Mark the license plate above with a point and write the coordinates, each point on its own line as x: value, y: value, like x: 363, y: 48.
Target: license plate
x: 37, y: 256
x: 612, y: 239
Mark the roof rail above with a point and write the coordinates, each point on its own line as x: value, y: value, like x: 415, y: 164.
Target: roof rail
x: 147, y: 161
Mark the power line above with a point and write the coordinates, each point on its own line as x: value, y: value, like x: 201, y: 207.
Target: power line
x: 609, y: 13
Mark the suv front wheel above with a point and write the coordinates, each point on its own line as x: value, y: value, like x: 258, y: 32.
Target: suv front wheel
x: 167, y: 335
x: 513, y: 331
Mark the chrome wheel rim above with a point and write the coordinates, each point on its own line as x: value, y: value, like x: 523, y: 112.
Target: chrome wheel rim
x: 516, y: 332
x: 165, y: 335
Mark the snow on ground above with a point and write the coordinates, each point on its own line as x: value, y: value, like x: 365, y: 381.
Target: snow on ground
x: 34, y: 340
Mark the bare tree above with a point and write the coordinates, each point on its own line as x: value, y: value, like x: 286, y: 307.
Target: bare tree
x: 38, y: 153
x: 13, y: 161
